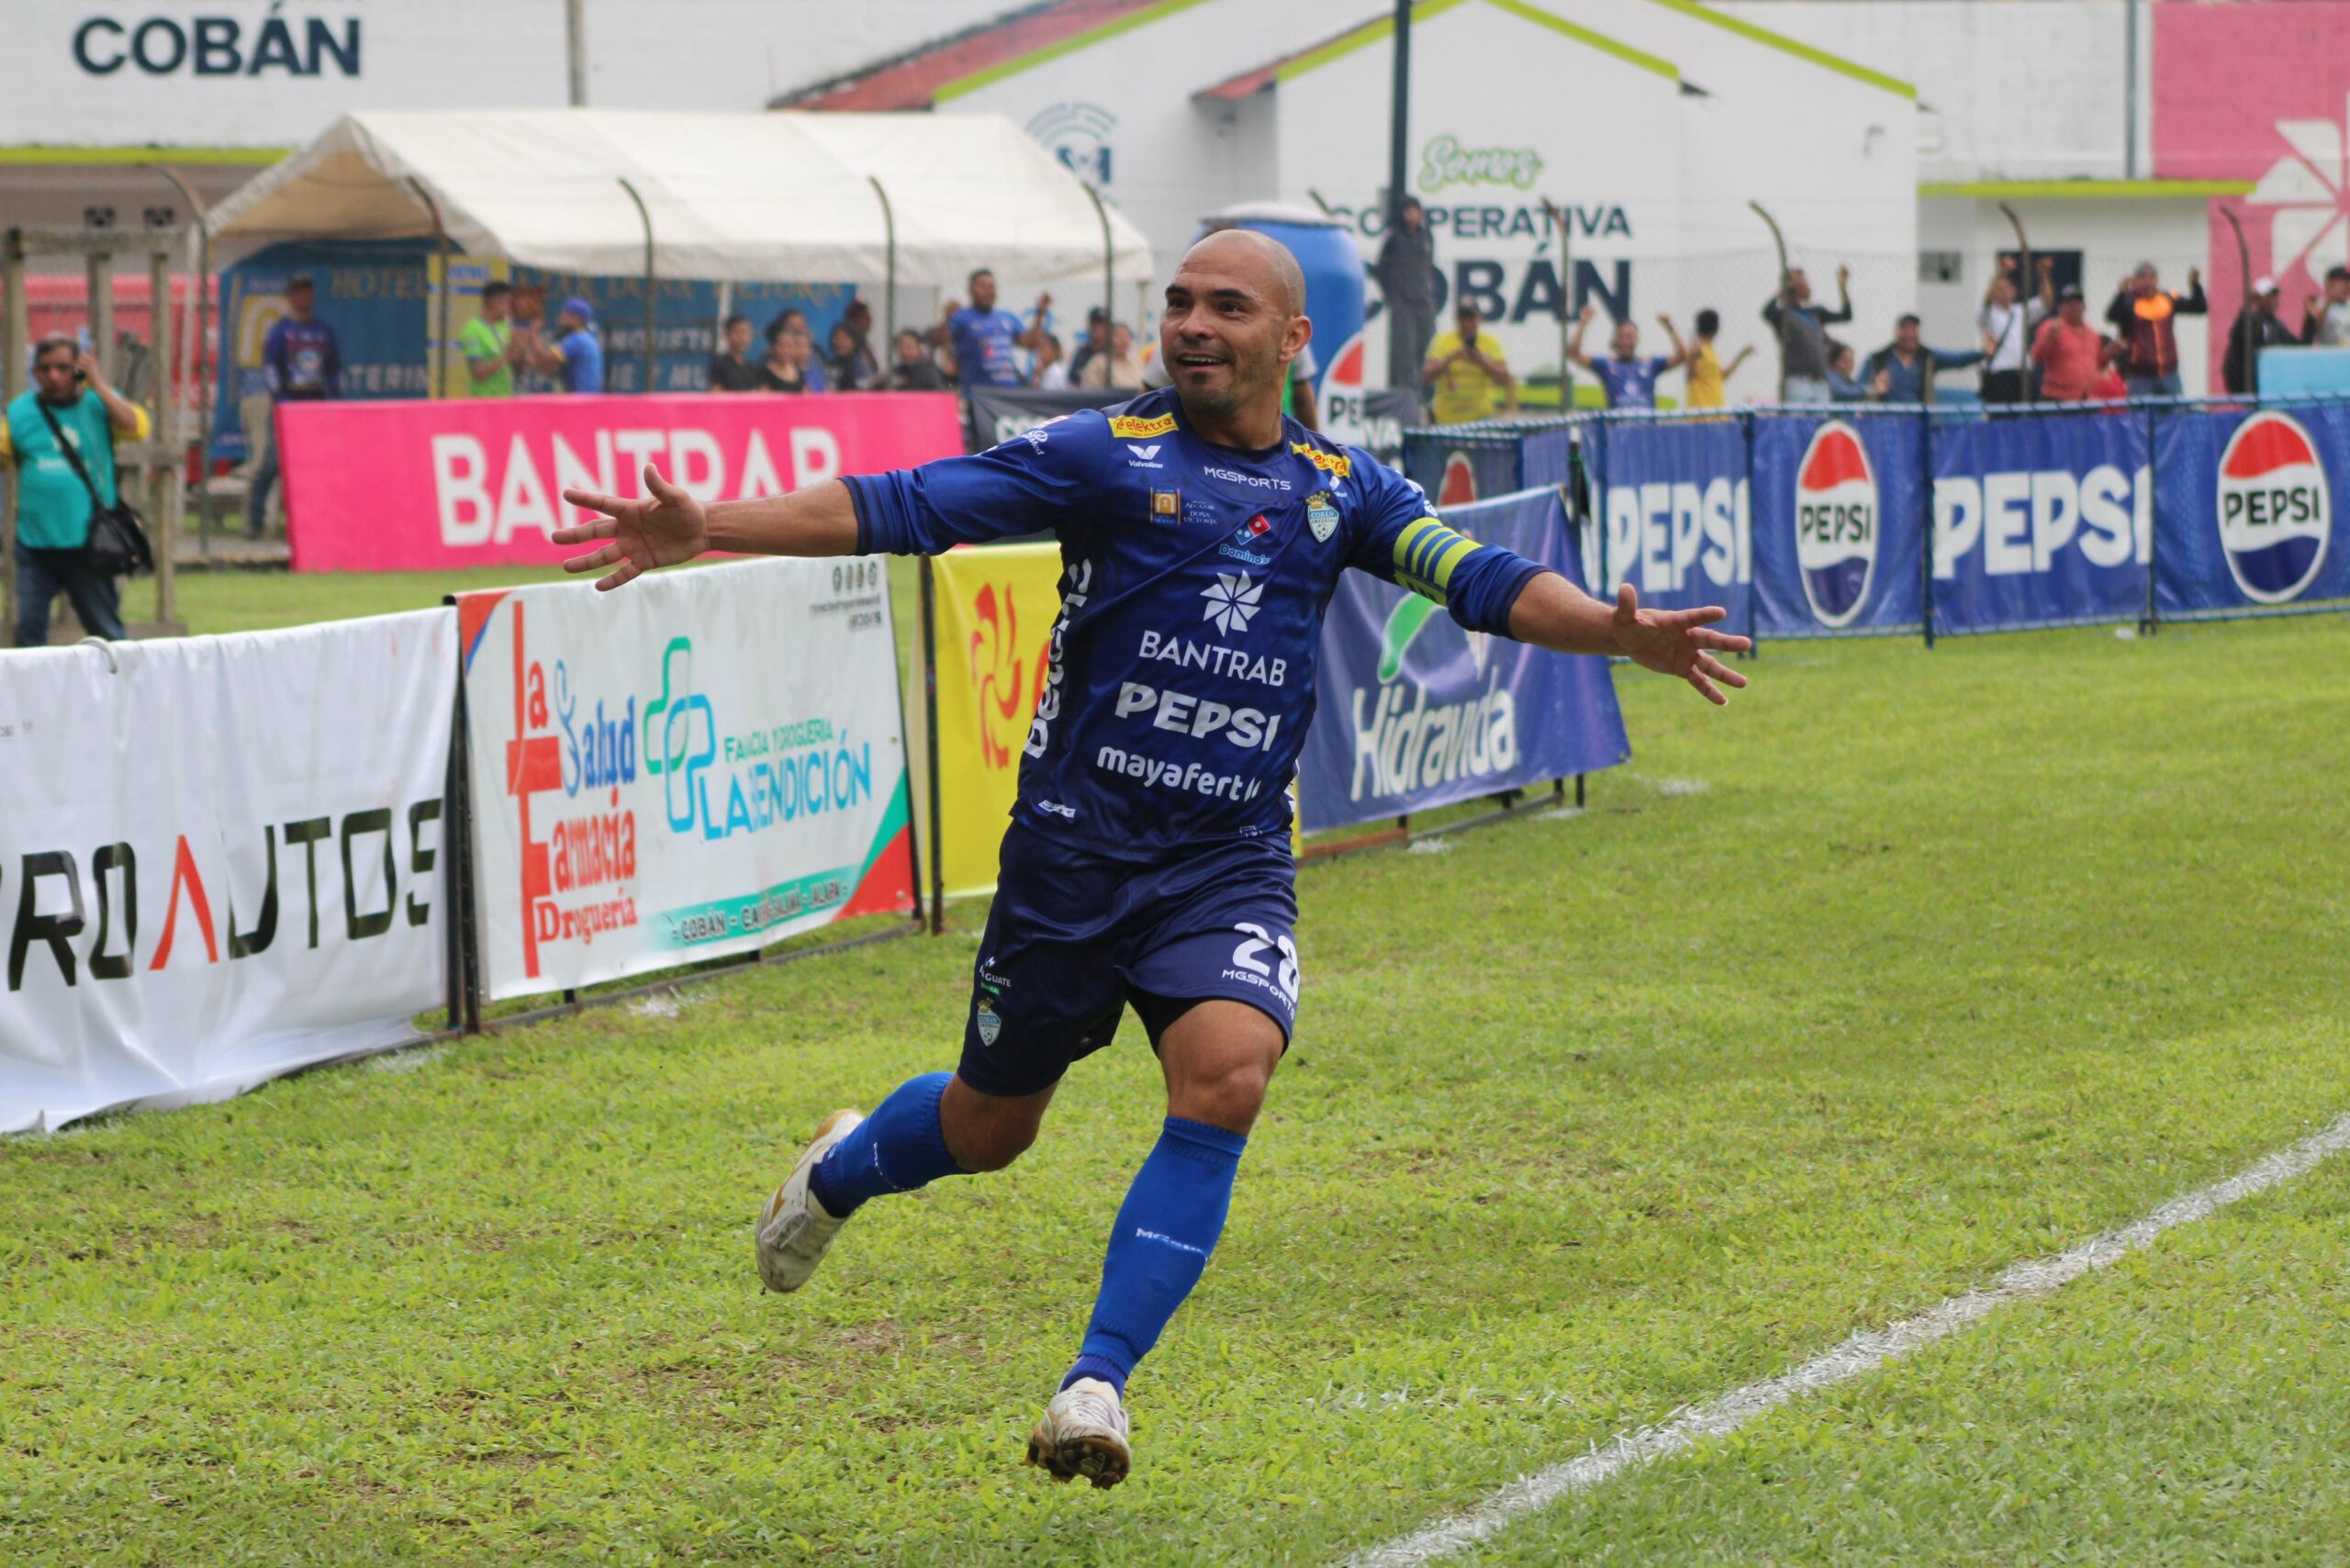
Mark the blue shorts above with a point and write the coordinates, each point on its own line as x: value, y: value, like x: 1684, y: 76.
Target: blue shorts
x: 1075, y: 936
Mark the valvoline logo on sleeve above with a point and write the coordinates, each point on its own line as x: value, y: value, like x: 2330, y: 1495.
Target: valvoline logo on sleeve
x: 1836, y: 524
x: 2274, y: 508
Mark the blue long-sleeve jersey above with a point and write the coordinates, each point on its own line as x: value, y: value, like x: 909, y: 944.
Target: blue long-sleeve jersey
x: 1194, y: 578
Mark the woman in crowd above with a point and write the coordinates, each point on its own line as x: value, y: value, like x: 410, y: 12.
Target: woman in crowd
x: 790, y: 364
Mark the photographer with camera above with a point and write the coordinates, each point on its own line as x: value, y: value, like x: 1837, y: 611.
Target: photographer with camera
x: 60, y: 437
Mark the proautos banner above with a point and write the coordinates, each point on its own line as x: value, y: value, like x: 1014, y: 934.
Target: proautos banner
x: 2244, y: 507
x: 1412, y: 712
x: 219, y: 859
x: 698, y: 765
x: 422, y: 485
x: 2040, y: 520
x: 994, y: 613
x: 1671, y: 500
x: 1840, y: 523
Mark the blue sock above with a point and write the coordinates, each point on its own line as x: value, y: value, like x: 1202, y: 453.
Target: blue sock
x: 1165, y: 1230
x: 898, y: 1148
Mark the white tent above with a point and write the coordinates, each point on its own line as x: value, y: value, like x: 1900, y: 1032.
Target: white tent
x: 914, y: 198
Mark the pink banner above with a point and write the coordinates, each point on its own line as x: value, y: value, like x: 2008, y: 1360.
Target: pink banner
x: 2257, y: 93
x: 420, y: 486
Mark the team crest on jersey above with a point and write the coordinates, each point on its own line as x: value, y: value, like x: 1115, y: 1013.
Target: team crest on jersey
x: 1333, y: 463
x: 1130, y: 427
x: 1322, y: 516
x: 1167, y: 505
x: 989, y: 1024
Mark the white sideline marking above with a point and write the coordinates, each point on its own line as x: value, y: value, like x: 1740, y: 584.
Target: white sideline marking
x: 1863, y: 1352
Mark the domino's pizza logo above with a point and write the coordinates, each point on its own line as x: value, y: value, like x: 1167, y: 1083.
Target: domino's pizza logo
x: 1836, y: 524
x: 2274, y: 508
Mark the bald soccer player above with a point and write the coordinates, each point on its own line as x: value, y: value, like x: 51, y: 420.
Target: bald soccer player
x: 1147, y: 861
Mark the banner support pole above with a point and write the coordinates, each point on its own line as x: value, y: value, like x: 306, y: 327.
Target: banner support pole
x: 1926, y: 531
x: 2150, y: 623
x: 930, y: 722
x: 906, y: 775
x: 1753, y: 615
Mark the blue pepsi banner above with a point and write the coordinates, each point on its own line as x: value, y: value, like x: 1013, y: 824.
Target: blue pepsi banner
x: 1413, y: 712
x: 1672, y: 501
x: 1456, y: 470
x: 2041, y: 521
x: 1840, y: 522
x: 2245, y: 518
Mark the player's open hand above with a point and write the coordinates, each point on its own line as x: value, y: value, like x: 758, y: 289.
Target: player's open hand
x: 1680, y: 642
x: 663, y: 527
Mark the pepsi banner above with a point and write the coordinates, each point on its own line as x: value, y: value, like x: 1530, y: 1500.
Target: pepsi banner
x: 2244, y: 507
x: 1414, y: 713
x: 2041, y: 521
x: 1672, y: 501
x: 1838, y: 524
x: 1457, y: 470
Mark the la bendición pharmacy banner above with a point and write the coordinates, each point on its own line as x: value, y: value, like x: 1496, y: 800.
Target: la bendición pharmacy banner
x: 696, y: 766
x: 220, y: 859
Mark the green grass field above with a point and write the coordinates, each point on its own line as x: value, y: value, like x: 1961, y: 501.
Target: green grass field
x: 1907, y: 966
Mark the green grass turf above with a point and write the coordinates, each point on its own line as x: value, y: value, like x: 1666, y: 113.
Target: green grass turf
x: 1955, y: 957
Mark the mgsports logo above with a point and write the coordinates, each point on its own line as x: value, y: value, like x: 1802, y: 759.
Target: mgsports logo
x: 1836, y: 532
x: 2274, y: 508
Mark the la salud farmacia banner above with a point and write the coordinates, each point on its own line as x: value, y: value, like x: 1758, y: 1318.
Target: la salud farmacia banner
x: 1412, y: 712
x: 697, y: 765
x: 425, y: 486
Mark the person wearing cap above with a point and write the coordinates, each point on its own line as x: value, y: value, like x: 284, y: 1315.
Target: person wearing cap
x: 577, y: 356
x: 2068, y: 351
x: 2255, y: 328
x: 1904, y: 370
x: 302, y: 361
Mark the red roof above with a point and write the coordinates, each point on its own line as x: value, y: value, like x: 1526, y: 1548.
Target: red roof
x: 911, y: 81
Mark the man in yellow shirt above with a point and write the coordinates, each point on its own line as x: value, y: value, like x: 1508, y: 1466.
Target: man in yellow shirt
x: 1467, y: 371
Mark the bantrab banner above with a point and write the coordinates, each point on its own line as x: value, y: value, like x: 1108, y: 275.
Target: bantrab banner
x: 697, y: 765
x: 1412, y: 712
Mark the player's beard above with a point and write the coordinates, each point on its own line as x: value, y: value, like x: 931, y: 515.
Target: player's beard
x: 1252, y: 372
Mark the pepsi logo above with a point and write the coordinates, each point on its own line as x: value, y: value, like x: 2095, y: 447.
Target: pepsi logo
x: 1836, y: 524
x: 1458, y: 486
x: 2274, y: 508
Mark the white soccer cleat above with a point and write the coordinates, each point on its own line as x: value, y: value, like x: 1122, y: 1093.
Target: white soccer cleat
x: 1083, y: 1432
x: 794, y: 1229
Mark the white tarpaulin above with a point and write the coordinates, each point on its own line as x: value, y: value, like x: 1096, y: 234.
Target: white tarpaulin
x: 732, y: 197
x: 698, y: 765
x: 219, y: 859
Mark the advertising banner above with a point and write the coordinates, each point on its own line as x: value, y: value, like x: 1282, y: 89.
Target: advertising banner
x: 993, y: 612
x: 1412, y: 712
x: 2244, y: 515
x: 1672, y: 502
x: 423, y: 485
x: 1456, y: 470
x: 1840, y: 524
x: 219, y: 859
x: 701, y: 765
x: 2040, y: 520
x: 1373, y: 420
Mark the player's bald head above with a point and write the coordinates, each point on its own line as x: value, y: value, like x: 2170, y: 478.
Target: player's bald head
x: 1258, y: 261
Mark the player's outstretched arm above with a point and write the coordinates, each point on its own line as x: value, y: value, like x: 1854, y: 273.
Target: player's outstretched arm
x: 668, y: 526
x: 1551, y: 612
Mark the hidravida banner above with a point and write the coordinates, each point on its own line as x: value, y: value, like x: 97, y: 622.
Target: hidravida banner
x: 698, y: 765
x: 220, y: 859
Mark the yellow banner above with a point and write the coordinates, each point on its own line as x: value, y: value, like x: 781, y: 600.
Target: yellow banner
x: 994, y: 613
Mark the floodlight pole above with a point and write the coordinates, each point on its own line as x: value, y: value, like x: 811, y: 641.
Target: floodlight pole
x: 889, y: 284
x: 1399, y: 136
x: 1786, y: 300
x: 2243, y: 303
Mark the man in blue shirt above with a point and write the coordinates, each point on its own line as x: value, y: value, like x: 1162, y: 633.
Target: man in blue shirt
x: 1628, y: 376
x: 1904, y: 370
x: 982, y: 338
x: 576, y: 356
x: 1148, y: 863
x: 302, y: 361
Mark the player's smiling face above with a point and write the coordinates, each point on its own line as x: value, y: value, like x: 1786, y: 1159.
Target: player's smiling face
x: 1229, y: 331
